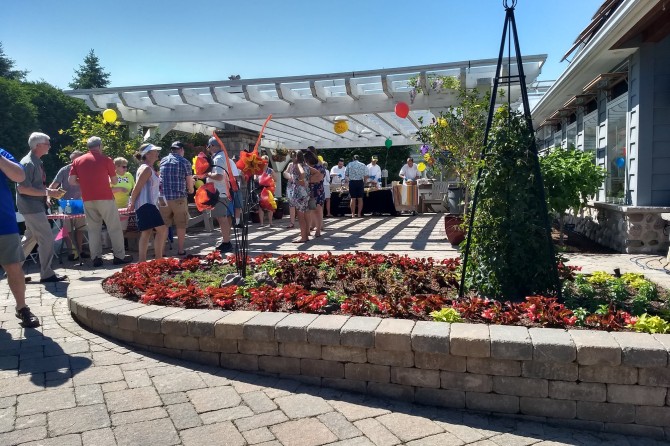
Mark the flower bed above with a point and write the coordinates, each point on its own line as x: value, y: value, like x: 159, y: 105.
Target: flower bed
x: 364, y: 284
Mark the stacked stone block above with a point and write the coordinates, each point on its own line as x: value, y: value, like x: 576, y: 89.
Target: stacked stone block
x: 616, y: 382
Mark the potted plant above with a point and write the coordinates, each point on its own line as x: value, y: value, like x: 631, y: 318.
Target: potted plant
x: 282, y: 203
x: 452, y: 146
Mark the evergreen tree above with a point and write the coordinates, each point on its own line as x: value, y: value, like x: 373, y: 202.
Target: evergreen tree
x: 6, y: 68
x: 90, y: 74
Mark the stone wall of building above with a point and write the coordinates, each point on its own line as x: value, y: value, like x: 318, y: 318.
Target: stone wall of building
x: 626, y: 229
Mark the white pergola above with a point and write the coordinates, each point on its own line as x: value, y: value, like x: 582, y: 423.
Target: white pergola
x: 304, y: 108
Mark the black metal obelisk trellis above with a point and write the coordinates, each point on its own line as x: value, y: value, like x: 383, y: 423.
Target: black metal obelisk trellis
x: 510, y: 34
x: 241, y: 230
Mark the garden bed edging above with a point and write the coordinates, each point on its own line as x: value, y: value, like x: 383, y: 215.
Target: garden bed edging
x: 614, y: 382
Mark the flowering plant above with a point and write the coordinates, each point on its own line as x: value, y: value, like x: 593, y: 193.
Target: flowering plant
x: 453, y: 142
x: 364, y: 284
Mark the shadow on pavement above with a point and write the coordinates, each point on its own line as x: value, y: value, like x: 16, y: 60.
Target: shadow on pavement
x: 40, y: 357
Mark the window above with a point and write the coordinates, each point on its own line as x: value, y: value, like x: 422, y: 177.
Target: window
x: 572, y: 135
x: 615, y: 188
x: 591, y: 133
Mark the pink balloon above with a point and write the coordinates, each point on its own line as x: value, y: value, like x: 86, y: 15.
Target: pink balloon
x: 402, y: 110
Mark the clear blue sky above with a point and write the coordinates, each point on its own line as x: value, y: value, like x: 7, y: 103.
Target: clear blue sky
x: 172, y: 41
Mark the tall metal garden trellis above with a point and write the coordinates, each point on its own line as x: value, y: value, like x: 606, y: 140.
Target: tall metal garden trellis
x: 510, y: 34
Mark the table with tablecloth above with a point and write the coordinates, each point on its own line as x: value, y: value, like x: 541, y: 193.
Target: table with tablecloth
x: 405, y: 197
x: 60, y: 218
x: 375, y: 201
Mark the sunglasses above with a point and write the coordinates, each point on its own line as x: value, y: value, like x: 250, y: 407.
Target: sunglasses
x: 124, y: 167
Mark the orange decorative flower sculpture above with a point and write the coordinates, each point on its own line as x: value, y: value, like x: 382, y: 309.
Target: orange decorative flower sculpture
x: 201, y: 164
x: 251, y: 164
x: 267, y: 200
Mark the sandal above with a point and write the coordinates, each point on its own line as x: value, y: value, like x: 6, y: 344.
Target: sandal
x: 300, y: 241
x: 290, y: 226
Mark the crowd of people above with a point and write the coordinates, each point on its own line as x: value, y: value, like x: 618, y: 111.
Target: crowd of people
x: 156, y: 197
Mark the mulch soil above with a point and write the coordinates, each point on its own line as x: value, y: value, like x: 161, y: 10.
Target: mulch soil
x: 578, y: 243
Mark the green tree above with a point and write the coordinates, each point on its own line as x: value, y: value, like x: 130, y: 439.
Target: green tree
x: 570, y: 178
x: 54, y: 111
x: 116, y: 139
x: 18, y: 116
x: 455, y: 138
x: 7, y: 67
x: 390, y: 159
x: 90, y: 74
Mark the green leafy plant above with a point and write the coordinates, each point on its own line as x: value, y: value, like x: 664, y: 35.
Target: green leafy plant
x: 650, y: 324
x: 570, y: 177
x: 510, y: 252
x: 116, y: 139
x: 435, y: 82
x: 446, y: 315
x: 453, y: 142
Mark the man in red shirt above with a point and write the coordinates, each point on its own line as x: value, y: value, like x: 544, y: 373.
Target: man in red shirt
x: 94, y: 172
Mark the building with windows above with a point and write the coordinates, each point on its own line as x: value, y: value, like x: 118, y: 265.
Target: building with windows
x: 614, y: 100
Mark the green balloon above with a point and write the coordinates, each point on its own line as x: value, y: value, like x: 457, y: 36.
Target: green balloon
x: 388, y: 143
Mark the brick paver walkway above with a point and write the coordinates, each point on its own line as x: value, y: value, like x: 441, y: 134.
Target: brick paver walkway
x: 61, y: 384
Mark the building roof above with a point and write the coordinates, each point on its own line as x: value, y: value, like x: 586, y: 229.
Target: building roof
x: 304, y: 108
x: 595, y: 65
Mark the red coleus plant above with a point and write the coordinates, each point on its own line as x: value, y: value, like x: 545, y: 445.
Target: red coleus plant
x: 362, y: 283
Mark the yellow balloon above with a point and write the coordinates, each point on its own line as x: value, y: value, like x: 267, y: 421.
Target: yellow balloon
x: 421, y: 167
x: 109, y: 115
x: 341, y: 127
x: 198, y: 184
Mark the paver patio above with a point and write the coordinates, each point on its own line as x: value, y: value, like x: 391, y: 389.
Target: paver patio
x: 61, y: 384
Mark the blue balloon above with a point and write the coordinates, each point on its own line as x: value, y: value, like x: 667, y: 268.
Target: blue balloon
x: 620, y: 162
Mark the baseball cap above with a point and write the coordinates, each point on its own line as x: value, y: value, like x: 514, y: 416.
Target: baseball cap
x: 213, y: 142
x: 148, y: 148
x: 177, y: 145
x: 374, y: 158
x: 341, y: 159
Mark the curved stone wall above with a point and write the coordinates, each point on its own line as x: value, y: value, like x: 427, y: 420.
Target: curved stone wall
x: 616, y: 382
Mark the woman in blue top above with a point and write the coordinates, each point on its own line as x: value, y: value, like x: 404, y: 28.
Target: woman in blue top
x: 144, y: 200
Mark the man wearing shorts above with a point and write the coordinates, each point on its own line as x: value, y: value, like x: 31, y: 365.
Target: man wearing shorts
x: 11, y: 254
x: 176, y: 182
x: 357, y: 173
x: 224, y: 208
x: 74, y: 225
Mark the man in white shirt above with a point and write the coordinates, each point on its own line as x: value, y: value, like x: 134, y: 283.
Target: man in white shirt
x: 374, y: 171
x: 409, y: 171
x: 337, y: 173
x: 223, y: 210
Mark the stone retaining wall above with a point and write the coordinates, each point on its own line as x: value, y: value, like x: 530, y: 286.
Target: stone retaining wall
x: 616, y: 382
x: 626, y: 229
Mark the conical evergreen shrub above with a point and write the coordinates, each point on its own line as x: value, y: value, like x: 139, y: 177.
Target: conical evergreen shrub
x: 510, y: 252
